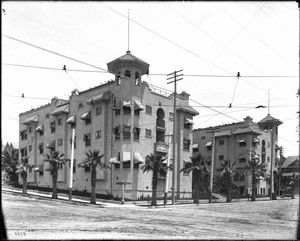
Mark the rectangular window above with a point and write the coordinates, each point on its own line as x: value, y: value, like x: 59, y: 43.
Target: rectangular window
x: 80, y: 105
x: 88, y: 121
x: 41, y: 132
x: 268, y: 159
x: 171, y: 116
x: 30, y: 148
x: 87, y: 169
x: 59, y: 122
x: 41, y: 148
x: 98, y: 134
x: 98, y: 110
x: 203, y: 137
x: 136, y: 133
x: 243, y: 143
x: 52, y: 126
x: 126, y: 164
x: 41, y: 170
x: 186, y: 144
x: 117, y: 133
x: 221, y: 142
x: 60, y: 142
x: 87, y: 139
x: 23, y: 152
x: 74, y: 165
x: 148, y: 110
x: 126, y: 132
x: 74, y: 142
x: 47, y: 116
x: 137, y: 112
x: 148, y: 133
x: 29, y: 129
x: 243, y: 159
x: 23, y: 135
x: 126, y: 110
x: 221, y: 157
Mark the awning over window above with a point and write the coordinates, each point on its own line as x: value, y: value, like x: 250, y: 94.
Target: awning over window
x: 188, y: 160
x: 241, y: 141
x: 71, y: 120
x: 60, y: 110
x: 86, y: 115
x: 188, y: 121
x: 209, y: 143
x: 32, y: 119
x: 137, y: 158
x: 138, y: 105
x: 126, y: 103
x: 222, y: 133
x: 39, y: 128
x: 255, y: 140
x: 51, y: 144
x: 195, y: 146
x: 98, y: 98
x: 114, y: 160
x: 242, y: 156
x: 126, y: 156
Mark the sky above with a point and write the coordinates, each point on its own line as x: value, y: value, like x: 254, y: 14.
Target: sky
x: 210, y: 41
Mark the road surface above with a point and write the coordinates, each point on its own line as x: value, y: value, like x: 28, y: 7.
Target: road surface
x: 36, y: 218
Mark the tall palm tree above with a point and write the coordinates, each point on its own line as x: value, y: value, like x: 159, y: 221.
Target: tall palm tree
x: 155, y: 164
x: 93, y: 159
x: 226, y: 175
x: 257, y: 169
x: 9, y: 163
x: 22, y: 169
x: 54, y: 159
x: 200, y: 174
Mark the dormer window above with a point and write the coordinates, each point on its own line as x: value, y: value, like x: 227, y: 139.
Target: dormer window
x: 127, y: 73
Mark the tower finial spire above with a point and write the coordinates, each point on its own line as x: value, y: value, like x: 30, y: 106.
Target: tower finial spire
x: 268, y: 101
x: 128, y: 31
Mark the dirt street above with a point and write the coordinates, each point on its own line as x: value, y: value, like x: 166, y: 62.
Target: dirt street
x: 34, y: 218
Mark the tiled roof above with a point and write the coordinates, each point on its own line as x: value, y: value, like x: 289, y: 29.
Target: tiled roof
x: 289, y: 160
x: 129, y: 57
x: 188, y: 109
x: 249, y: 129
x: 269, y: 119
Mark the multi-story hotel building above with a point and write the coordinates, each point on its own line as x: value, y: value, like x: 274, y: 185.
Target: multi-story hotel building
x: 124, y: 119
x: 231, y: 142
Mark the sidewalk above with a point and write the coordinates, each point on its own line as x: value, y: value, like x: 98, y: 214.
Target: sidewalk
x: 113, y: 203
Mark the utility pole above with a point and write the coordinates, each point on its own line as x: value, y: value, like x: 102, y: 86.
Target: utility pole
x: 212, y: 168
x: 279, y: 169
x: 71, y: 165
x: 174, y: 76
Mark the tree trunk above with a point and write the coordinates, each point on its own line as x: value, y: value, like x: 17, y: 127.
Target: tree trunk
x: 197, y: 187
x: 93, y: 184
x: 154, y: 185
x: 54, y: 183
x: 24, y: 191
x: 196, y: 199
x: 228, y: 197
x: 253, y: 187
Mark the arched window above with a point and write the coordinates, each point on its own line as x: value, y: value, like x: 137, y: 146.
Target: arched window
x: 160, y: 125
x: 118, y: 78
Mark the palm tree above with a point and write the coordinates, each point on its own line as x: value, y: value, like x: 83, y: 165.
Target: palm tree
x: 22, y: 169
x: 155, y: 164
x: 55, y: 160
x: 200, y: 173
x: 257, y: 169
x: 226, y: 178
x: 9, y: 162
x: 93, y: 159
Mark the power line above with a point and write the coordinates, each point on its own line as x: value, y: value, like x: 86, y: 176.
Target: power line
x: 157, y: 74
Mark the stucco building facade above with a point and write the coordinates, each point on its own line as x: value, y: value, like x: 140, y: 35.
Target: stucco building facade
x: 125, y: 119
x: 236, y: 142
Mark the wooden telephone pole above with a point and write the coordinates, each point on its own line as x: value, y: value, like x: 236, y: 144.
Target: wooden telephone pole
x: 174, y: 76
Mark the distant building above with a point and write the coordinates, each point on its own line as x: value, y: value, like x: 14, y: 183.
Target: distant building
x: 231, y: 143
x: 291, y: 166
x: 125, y: 119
